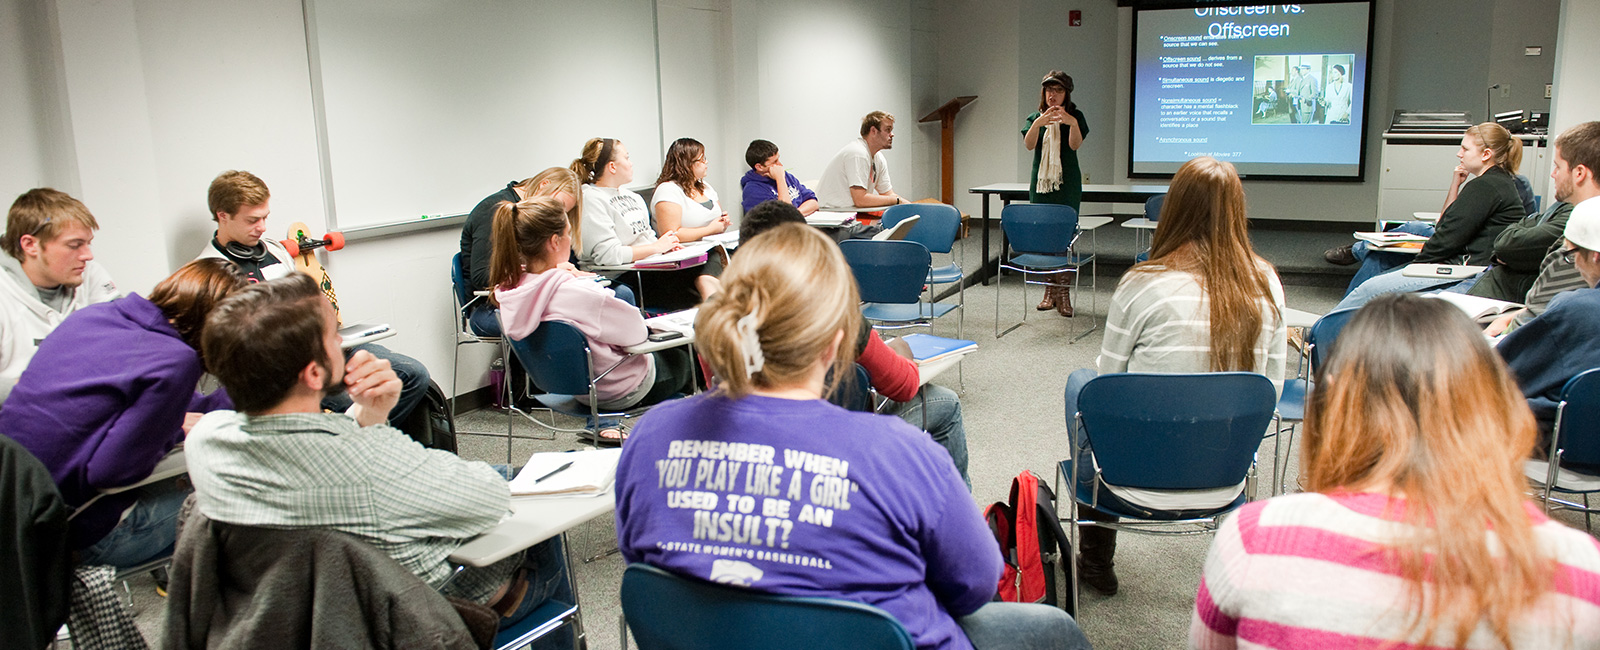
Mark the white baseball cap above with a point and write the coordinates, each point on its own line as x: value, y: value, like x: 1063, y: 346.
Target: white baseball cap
x: 1583, y: 227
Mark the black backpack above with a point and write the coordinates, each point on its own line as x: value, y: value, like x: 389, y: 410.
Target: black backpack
x: 1031, y: 545
x: 430, y: 423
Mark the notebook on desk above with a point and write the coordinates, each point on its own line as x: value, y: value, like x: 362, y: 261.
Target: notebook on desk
x: 687, y: 255
x: 927, y: 348
x: 354, y: 335
x: 681, y: 322
x: 566, y: 474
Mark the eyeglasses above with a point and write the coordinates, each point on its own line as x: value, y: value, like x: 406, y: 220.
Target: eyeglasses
x: 40, y: 228
x: 1568, y: 255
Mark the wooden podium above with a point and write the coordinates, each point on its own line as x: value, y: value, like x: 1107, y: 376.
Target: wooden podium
x: 946, y: 117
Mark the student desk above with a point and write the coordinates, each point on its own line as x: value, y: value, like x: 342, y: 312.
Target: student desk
x: 533, y: 520
x: 1009, y: 192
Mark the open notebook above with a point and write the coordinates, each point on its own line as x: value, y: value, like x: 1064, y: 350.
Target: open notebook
x: 587, y: 473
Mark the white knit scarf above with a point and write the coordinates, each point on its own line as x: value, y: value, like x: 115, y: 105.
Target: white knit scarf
x: 1050, y: 160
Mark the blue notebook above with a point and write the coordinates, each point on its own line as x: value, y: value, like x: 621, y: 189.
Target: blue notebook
x: 926, y: 347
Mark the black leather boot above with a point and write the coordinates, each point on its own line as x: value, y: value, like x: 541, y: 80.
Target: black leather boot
x: 1096, y: 548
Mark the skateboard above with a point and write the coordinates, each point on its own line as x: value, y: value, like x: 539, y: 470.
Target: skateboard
x: 303, y: 248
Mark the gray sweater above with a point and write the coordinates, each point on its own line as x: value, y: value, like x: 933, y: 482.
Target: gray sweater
x: 1161, y: 322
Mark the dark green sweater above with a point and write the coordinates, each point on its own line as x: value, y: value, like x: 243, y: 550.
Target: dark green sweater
x: 1482, y: 209
x: 1518, y: 253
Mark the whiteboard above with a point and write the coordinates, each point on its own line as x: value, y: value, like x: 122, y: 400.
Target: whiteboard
x: 425, y: 107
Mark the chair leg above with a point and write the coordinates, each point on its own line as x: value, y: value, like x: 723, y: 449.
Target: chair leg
x: 1588, y: 515
x: 622, y: 631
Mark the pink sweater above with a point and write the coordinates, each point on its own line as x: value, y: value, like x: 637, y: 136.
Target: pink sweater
x: 609, y: 324
x: 1305, y: 571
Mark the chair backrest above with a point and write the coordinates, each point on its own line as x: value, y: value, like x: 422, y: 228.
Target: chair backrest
x: 1324, y: 332
x: 667, y: 612
x: 855, y: 392
x: 1152, y: 207
x: 1201, y: 432
x: 888, y: 271
x: 936, y: 229
x: 1577, y: 429
x: 556, y: 356
x: 458, y: 282
x: 1039, y: 228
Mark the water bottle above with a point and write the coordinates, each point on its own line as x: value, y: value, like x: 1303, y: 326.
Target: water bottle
x: 497, y: 381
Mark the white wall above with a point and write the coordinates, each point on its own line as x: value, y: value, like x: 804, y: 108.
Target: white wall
x: 1576, y: 96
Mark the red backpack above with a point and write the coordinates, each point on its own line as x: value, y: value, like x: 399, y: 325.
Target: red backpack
x: 1031, y: 541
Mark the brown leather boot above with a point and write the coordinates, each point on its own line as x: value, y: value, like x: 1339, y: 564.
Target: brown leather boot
x: 1049, y: 300
x: 1064, y: 300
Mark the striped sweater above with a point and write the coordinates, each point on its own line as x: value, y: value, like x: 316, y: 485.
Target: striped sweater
x: 1161, y: 322
x: 1555, y: 276
x: 1303, y: 571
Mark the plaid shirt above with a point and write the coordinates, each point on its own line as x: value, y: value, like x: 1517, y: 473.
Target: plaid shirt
x: 322, y: 470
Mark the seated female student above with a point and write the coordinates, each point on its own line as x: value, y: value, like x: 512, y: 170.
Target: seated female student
x: 1204, y: 302
x: 684, y: 203
x: 856, y: 506
x: 1473, y: 215
x: 111, y: 391
x: 616, y: 230
x: 1415, y: 529
x: 532, y: 286
x: 477, y: 236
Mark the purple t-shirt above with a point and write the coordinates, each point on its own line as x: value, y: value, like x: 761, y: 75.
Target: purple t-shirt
x: 804, y: 498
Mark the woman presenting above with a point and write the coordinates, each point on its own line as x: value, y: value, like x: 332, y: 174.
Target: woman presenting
x: 1053, y: 133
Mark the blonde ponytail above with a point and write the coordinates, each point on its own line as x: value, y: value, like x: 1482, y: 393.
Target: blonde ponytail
x: 793, y: 293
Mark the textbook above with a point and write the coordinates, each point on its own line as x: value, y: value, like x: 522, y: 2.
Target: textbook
x: 567, y: 473
x: 681, y: 322
x: 724, y: 239
x: 687, y: 255
x: 1476, y: 307
x: 1388, y: 238
x: 354, y: 335
x: 830, y: 219
x: 927, y: 348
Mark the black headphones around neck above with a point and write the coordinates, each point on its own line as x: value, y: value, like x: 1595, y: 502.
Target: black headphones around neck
x: 248, y: 253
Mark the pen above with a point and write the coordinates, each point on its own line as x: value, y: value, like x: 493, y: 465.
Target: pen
x: 553, y: 472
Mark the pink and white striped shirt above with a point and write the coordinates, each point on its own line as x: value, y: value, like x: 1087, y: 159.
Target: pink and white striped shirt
x: 1308, y: 572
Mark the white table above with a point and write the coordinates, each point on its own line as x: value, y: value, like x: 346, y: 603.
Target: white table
x: 1296, y: 318
x: 926, y: 373
x: 533, y: 520
x: 171, y: 465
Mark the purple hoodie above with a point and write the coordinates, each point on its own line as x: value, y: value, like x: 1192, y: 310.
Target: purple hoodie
x: 103, y: 401
x: 759, y: 188
x: 609, y: 324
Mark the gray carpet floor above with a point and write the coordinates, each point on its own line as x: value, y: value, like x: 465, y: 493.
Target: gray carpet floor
x: 1014, y: 416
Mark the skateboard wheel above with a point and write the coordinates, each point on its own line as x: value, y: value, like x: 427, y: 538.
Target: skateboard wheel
x: 335, y: 241
x: 292, y: 245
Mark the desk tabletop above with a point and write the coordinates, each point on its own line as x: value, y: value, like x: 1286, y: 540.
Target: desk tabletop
x: 173, y: 464
x: 533, y: 520
x: 1088, y: 190
x: 926, y: 373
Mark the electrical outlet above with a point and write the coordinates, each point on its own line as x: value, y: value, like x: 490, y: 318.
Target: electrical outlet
x: 1085, y: 178
x: 1547, y: 89
x: 1505, y: 90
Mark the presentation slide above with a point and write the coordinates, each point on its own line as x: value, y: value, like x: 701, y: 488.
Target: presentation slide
x: 1278, y: 90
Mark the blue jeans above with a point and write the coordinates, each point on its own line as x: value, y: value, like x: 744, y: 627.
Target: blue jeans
x: 413, y: 383
x: 1391, y: 281
x: 937, y: 410
x: 1023, y: 626
x: 148, y: 532
x: 1374, y: 263
x: 546, y: 563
